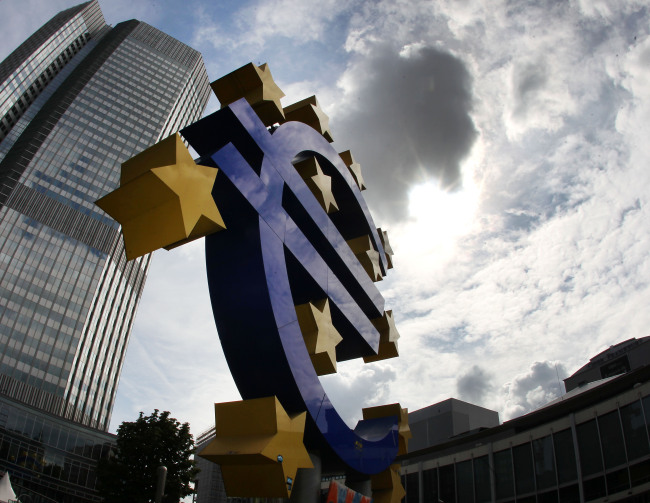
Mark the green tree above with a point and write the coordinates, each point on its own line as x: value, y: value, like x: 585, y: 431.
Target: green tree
x: 130, y: 475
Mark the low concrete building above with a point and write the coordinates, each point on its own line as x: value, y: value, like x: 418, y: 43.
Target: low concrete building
x: 592, y: 445
x: 441, y: 421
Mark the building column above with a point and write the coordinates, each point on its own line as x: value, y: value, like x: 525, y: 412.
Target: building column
x: 493, y: 479
x: 420, y: 483
x: 576, y: 448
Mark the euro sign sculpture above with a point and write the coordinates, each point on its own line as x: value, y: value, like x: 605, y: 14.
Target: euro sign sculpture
x: 292, y: 255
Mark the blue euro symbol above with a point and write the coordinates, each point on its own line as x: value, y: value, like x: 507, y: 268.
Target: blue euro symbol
x: 280, y: 250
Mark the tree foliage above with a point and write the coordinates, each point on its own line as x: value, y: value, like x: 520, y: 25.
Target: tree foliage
x: 130, y: 475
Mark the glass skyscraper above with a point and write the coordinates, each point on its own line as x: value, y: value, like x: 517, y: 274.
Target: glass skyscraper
x: 77, y: 99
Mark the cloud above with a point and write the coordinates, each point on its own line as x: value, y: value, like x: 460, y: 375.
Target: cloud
x: 528, y: 80
x: 396, y: 23
x: 556, y: 261
x: 407, y: 117
x: 351, y: 388
x: 15, y: 26
x: 553, y: 264
x: 609, y: 10
x: 175, y: 361
x: 531, y: 390
x: 257, y: 24
x: 151, y: 12
x: 296, y: 19
x: 474, y: 385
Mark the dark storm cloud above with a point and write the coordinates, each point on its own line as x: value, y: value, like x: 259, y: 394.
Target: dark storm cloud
x: 474, y: 385
x: 408, y: 120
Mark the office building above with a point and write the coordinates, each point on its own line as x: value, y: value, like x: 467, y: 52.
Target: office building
x: 208, y: 483
x: 591, y: 445
x: 77, y: 98
x: 441, y: 421
x: 617, y: 359
x: 431, y: 425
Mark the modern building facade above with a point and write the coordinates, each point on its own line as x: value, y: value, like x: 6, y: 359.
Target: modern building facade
x: 208, y: 483
x: 587, y: 446
x: 431, y: 425
x: 617, y: 359
x: 77, y: 99
x: 50, y: 458
x: 590, y: 445
x: 444, y: 420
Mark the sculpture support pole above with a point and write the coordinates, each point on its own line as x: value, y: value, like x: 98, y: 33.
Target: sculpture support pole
x: 307, y: 488
x: 160, y: 483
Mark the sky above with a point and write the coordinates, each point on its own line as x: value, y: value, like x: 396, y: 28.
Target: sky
x: 504, y: 145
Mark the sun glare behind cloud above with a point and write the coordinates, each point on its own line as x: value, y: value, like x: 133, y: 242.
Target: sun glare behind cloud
x: 438, y: 219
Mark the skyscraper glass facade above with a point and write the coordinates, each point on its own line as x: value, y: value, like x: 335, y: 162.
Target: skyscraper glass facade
x: 48, y: 458
x: 77, y: 99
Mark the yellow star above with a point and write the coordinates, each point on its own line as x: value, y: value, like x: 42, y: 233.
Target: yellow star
x: 309, y: 112
x: 388, y: 250
x: 388, y: 336
x: 354, y: 167
x: 256, y: 84
x: 164, y: 199
x: 367, y: 256
x: 319, y: 183
x: 387, y: 485
x: 321, y: 338
x: 259, y: 447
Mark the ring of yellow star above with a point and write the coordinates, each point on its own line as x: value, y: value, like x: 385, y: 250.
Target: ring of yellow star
x: 308, y: 111
x: 164, y: 199
x: 318, y: 182
x: 388, y: 336
x: 321, y: 337
x: 259, y: 447
x: 354, y: 167
x: 367, y: 256
x: 388, y: 249
x: 256, y: 84
x: 393, y: 409
x: 387, y: 486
